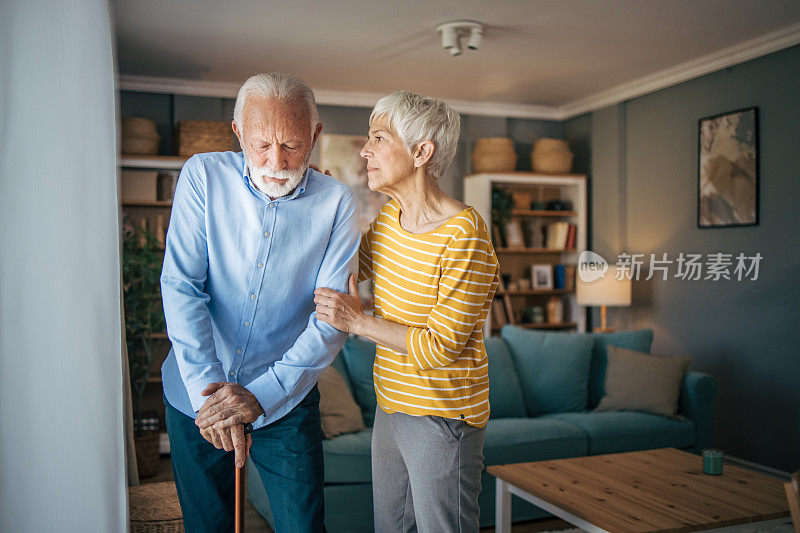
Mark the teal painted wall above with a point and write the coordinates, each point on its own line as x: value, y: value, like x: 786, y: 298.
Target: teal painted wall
x: 644, y: 200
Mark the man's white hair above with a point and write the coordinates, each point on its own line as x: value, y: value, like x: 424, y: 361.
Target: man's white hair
x: 276, y: 85
x: 417, y: 118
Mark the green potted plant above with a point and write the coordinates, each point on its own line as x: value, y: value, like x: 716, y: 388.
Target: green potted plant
x: 502, y: 207
x: 144, y: 316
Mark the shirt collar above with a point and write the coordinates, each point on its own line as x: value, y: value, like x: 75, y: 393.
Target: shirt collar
x: 301, y: 187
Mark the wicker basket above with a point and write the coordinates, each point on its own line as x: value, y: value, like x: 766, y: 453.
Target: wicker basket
x: 551, y: 156
x: 139, y: 136
x: 522, y: 200
x: 198, y: 136
x: 154, y: 508
x: 494, y: 154
x: 147, y: 456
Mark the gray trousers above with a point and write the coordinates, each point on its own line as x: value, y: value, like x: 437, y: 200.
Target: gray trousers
x: 426, y: 473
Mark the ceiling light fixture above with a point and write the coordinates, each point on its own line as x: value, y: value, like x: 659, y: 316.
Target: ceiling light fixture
x: 453, y: 32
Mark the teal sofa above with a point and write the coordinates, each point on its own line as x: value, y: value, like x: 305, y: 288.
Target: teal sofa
x: 543, y: 389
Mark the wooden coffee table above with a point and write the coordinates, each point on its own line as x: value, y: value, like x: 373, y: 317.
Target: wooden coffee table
x: 651, y: 490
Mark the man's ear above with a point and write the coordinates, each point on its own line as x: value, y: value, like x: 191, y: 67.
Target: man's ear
x: 423, y: 153
x: 317, y: 131
x: 238, y: 133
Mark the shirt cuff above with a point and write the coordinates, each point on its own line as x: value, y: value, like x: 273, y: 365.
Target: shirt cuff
x: 269, y: 393
x: 194, y: 389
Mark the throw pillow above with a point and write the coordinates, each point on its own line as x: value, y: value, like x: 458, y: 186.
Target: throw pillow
x: 639, y: 340
x: 359, y: 356
x: 338, y: 410
x: 553, y: 368
x: 505, y: 394
x: 637, y: 381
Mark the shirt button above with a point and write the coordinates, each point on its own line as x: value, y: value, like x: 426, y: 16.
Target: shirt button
x: 271, y: 204
x: 252, y: 296
x: 260, y: 264
x: 238, y: 350
x: 266, y: 234
x: 233, y: 372
x: 246, y: 324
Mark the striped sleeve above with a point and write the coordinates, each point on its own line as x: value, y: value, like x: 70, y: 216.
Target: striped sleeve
x: 365, y: 255
x: 469, y: 278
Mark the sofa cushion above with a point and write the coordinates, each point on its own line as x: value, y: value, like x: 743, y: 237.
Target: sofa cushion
x: 637, y: 381
x: 338, y: 411
x: 633, y: 340
x: 627, y: 431
x: 341, y: 368
x: 359, y: 356
x: 553, y: 368
x: 514, y: 440
x: 505, y: 393
x: 347, y: 458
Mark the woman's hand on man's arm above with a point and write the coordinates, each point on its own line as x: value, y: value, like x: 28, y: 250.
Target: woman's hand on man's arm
x: 344, y: 312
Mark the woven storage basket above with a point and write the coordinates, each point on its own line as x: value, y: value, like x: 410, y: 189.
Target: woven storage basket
x: 140, y: 145
x: 139, y: 136
x: 147, y: 456
x: 494, y: 154
x: 155, y: 508
x: 551, y: 156
x: 198, y: 136
x: 138, y: 127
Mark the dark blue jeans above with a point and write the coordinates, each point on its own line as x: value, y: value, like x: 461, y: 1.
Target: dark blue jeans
x: 287, y: 453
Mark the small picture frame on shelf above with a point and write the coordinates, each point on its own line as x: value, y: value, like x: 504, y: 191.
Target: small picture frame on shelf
x: 542, y: 276
x: 514, y: 236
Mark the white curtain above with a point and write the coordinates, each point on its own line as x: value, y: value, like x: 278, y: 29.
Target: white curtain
x: 62, y: 457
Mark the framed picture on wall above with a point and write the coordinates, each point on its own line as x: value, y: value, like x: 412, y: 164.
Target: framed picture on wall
x: 341, y: 154
x: 727, y: 174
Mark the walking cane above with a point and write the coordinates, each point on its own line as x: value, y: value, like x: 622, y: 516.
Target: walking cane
x: 238, y: 521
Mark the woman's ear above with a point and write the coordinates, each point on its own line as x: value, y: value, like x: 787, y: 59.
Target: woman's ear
x: 423, y: 153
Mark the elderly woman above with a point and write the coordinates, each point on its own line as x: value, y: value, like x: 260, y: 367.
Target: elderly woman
x: 434, y: 272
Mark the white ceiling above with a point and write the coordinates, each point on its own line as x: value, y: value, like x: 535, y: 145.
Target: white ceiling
x: 542, y: 54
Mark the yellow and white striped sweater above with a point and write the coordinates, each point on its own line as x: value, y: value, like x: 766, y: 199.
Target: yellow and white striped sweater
x: 441, y: 285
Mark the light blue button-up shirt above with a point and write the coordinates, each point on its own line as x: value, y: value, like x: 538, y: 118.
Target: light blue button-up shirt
x: 238, y: 283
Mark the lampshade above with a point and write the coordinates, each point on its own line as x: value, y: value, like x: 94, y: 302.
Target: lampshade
x: 604, y: 291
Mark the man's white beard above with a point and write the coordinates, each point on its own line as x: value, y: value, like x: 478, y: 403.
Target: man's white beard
x: 260, y: 176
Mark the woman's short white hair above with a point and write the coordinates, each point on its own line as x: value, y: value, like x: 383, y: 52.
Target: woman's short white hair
x: 276, y: 85
x: 417, y: 118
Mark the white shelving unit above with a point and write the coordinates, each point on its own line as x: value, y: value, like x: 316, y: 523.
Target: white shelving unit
x: 571, y: 187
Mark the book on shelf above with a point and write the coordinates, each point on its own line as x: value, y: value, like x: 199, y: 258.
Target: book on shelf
x: 559, y: 272
x: 514, y: 235
x: 557, y: 235
x: 569, y: 277
x: 509, y: 309
x: 497, y: 236
x: 571, y: 236
x: 498, y: 314
x: 533, y: 231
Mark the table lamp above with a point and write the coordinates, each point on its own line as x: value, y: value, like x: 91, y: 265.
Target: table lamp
x: 605, y: 291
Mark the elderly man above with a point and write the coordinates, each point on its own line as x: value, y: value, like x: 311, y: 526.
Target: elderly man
x: 252, y: 235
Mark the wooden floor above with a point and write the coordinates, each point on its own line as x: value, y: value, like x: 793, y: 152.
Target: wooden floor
x: 255, y: 523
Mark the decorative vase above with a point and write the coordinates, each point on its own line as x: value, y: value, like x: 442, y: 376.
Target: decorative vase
x: 494, y: 154
x: 555, y: 310
x: 551, y: 156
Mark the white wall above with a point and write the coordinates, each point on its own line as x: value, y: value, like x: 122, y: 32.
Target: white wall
x: 62, y: 464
